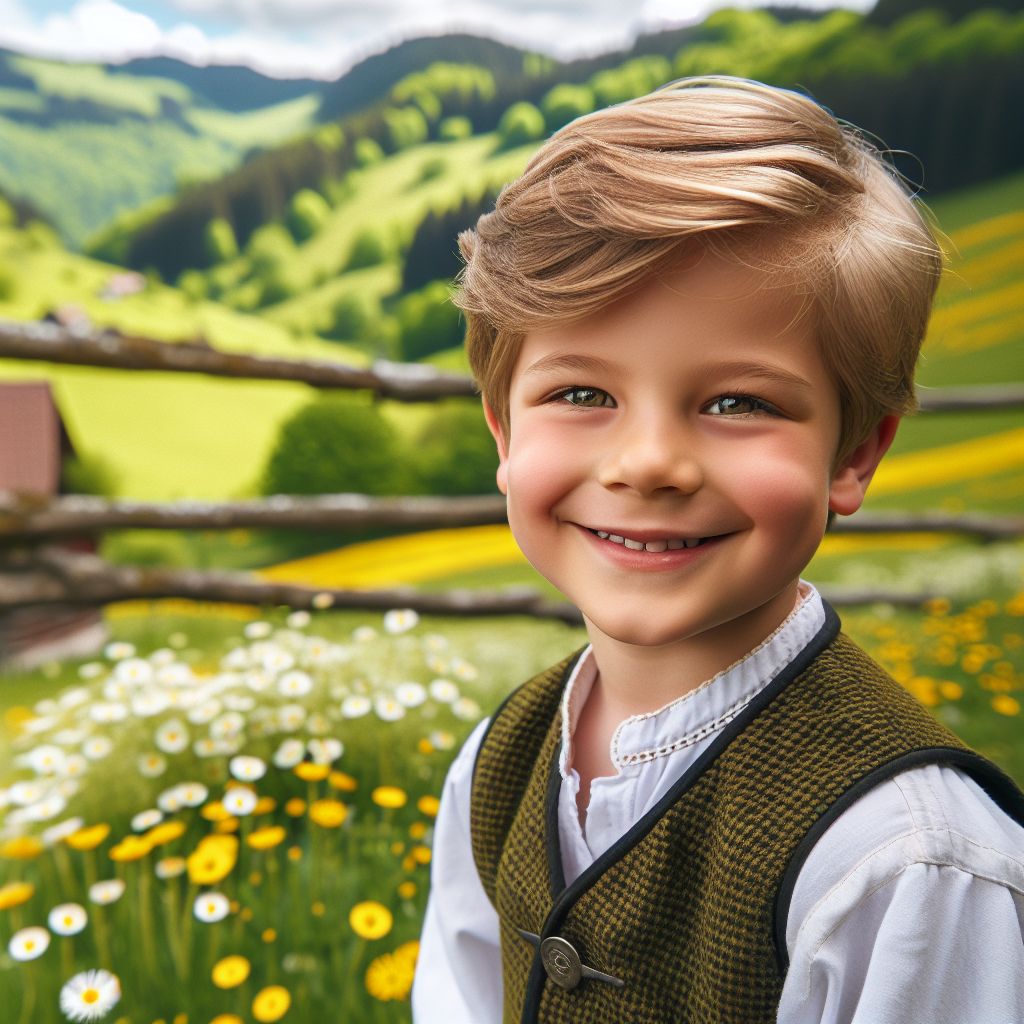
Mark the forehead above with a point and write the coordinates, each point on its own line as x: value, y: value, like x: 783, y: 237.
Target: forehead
x: 688, y: 314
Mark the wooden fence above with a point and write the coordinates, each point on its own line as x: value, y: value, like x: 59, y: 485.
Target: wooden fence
x: 34, y: 571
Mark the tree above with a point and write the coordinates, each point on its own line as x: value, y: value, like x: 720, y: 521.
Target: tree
x: 455, y: 453
x: 428, y: 322
x: 521, y: 123
x: 307, y: 212
x: 564, y: 103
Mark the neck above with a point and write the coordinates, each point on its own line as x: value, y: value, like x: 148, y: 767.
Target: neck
x: 636, y: 679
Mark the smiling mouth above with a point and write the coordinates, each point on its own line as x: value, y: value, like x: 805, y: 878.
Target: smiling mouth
x: 669, y: 544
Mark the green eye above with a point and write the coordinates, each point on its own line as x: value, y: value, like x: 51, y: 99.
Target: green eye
x: 737, y: 405
x: 591, y: 398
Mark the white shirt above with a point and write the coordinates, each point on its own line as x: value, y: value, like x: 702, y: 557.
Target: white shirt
x: 908, y: 910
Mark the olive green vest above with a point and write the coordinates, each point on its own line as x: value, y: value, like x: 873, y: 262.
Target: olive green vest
x: 683, y: 919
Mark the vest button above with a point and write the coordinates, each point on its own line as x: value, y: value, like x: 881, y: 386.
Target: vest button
x: 561, y: 962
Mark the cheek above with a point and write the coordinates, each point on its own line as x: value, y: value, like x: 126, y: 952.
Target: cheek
x: 787, y: 490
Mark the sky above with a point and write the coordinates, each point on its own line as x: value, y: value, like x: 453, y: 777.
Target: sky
x: 322, y: 38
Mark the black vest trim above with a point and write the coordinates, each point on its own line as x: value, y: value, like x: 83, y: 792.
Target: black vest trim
x: 565, y: 899
x: 996, y: 783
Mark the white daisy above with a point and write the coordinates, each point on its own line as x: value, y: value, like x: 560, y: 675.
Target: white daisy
x: 46, y: 760
x: 172, y: 736
x: 463, y: 670
x: 70, y: 737
x: 355, y: 706
x: 444, y: 690
x: 108, y: 891
x: 119, y: 650
x: 257, y: 680
x: 239, y: 801
x: 29, y: 943
x: 295, y: 684
x: 150, y: 702
x: 326, y: 750
x: 26, y: 792
x: 174, y: 673
x: 466, y: 709
x: 239, y: 702
x: 277, y: 659
x: 49, y: 807
x: 299, y: 619
x: 247, y: 769
x: 290, y: 717
x: 162, y: 656
x: 90, y: 670
x: 257, y: 630
x: 57, y: 833
x: 111, y: 711
x: 169, y: 867
x: 400, y: 620
x: 146, y: 819
x: 73, y: 698
x: 236, y: 658
x: 228, y: 724
x: 322, y: 601
x: 134, y: 672
x: 318, y: 724
x: 289, y: 754
x: 363, y: 634
x: 90, y: 995
x: 388, y: 709
x: 211, y: 906
x: 205, y: 712
x: 152, y: 765
x: 191, y: 794
x: 67, y: 919
x: 97, y: 747
x: 177, y: 640
x: 410, y: 695
x: 442, y: 740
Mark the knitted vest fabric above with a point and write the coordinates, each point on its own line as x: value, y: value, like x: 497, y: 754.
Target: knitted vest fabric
x: 683, y: 908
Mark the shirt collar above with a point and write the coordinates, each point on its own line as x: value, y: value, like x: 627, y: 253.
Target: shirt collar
x: 694, y: 716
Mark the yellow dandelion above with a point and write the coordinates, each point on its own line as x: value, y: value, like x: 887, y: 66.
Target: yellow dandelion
x: 265, y: 805
x: 230, y: 972
x: 165, y: 832
x: 937, y: 606
x: 424, y: 746
x: 226, y: 827
x: 255, y: 878
x: 245, y: 913
x: 1006, y: 705
x: 296, y: 807
x: 407, y: 890
x: 227, y: 1018
x: 213, y: 859
x: 343, y: 781
x: 271, y: 1004
x: 21, y: 848
x: 389, y: 797
x: 130, y: 848
x: 88, y: 838
x: 408, y: 864
x: 13, y: 894
x: 214, y: 811
x: 319, y: 908
x: 421, y: 854
x: 389, y: 977
x: 310, y: 771
x: 180, y: 1018
x: 268, y: 934
x: 370, y: 919
x: 428, y: 805
x: 295, y: 853
x: 409, y: 951
x: 417, y: 830
x: 266, y: 838
x: 397, y: 848
x: 328, y: 813
x: 951, y: 690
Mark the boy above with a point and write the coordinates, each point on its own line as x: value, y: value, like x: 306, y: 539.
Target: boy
x: 694, y: 321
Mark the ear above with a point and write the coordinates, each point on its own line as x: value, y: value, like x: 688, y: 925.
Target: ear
x: 494, y: 426
x: 850, y: 481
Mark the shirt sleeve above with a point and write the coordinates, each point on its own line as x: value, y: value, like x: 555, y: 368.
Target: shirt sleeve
x: 910, y: 910
x: 933, y: 944
x: 458, y: 974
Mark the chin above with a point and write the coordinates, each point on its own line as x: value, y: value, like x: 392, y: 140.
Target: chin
x: 639, y: 632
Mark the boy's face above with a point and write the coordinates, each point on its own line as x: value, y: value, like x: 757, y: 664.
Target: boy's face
x: 695, y: 410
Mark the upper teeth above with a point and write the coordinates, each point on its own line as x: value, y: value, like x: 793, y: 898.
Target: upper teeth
x: 651, y: 545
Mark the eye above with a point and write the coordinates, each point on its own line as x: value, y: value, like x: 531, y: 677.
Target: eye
x: 587, y: 398
x: 739, y: 405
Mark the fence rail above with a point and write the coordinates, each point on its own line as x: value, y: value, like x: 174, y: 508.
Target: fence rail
x: 406, y: 382
x: 29, y: 517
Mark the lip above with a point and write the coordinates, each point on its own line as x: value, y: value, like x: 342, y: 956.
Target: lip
x: 649, y: 561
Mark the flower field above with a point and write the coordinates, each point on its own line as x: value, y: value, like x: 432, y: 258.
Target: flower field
x: 229, y: 818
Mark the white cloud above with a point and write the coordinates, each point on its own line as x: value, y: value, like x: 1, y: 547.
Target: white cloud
x: 321, y: 38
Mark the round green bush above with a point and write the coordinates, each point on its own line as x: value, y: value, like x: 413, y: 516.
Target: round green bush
x: 306, y: 213
x: 337, y: 443
x: 521, y: 123
x: 369, y: 247
x: 220, y: 242
x: 455, y: 453
x: 564, y: 103
x: 427, y: 321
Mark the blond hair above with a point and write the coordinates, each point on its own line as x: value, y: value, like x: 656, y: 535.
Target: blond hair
x: 762, y: 174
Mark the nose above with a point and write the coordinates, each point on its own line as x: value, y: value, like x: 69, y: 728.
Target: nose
x: 652, y: 454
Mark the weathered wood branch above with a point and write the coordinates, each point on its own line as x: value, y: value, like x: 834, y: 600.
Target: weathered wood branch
x: 407, y: 382
x: 40, y: 576
x: 28, y: 517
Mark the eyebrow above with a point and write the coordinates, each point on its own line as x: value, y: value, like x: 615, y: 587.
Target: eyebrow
x: 590, y: 364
